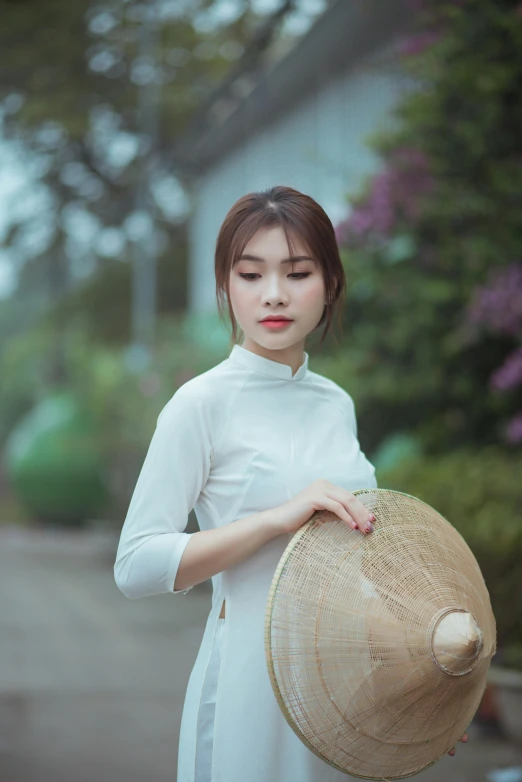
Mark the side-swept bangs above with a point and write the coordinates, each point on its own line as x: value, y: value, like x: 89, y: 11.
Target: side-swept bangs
x: 301, y: 218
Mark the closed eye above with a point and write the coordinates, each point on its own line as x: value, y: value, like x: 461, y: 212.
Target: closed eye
x: 295, y: 275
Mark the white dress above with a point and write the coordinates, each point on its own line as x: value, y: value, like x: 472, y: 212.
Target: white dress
x: 240, y: 438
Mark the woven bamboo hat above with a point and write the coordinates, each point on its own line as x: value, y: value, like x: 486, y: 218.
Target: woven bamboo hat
x: 378, y: 646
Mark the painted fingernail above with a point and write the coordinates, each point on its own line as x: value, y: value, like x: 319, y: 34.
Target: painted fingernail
x: 368, y: 528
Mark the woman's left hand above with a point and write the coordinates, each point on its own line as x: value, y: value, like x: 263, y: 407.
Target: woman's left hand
x: 463, y: 739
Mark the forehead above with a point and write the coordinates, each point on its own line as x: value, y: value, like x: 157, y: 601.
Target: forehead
x: 271, y: 243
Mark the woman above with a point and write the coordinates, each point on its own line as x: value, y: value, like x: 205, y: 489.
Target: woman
x: 255, y: 445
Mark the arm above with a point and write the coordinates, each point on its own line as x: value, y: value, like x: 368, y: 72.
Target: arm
x: 214, y: 550
x: 173, y: 474
x: 154, y: 554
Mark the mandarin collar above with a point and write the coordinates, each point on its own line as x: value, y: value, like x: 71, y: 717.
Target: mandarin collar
x: 266, y: 365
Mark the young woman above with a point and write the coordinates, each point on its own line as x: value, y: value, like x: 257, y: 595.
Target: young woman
x: 255, y: 445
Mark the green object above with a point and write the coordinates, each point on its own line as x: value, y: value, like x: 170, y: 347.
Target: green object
x: 399, y: 248
x: 397, y: 448
x: 54, y: 464
x: 207, y: 331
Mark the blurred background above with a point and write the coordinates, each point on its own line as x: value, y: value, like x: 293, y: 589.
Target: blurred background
x: 127, y: 130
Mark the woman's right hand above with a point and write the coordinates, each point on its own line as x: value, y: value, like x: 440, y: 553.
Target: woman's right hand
x: 323, y: 495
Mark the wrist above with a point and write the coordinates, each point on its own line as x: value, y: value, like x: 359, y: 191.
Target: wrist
x: 273, y: 521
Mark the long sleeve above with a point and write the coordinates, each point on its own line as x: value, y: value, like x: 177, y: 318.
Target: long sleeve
x: 175, y: 470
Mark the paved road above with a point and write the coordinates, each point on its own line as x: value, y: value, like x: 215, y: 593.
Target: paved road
x: 92, y: 684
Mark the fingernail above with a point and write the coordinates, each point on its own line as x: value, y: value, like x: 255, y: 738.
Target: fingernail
x: 368, y: 528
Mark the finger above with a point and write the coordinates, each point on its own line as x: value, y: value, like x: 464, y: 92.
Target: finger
x: 360, y: 513
x: 353, y: 507
x: 452, y: 751
x: 338, y: 508
x: 464, y: 738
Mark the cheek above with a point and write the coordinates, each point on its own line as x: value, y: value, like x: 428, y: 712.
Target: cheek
x: 312, y: 296
x: 239, y: 295
x: 233, y: 288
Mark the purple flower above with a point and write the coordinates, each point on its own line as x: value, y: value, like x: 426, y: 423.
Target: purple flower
x: 509, y: 375
x: 497, y: 305
x: 416, y: 44
x: 513, y: 430
x: 395, y: 192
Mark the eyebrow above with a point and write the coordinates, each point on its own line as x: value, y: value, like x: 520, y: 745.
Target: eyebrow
x: 292, y: 259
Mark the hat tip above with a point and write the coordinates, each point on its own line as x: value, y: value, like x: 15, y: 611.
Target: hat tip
x: 456, y: 642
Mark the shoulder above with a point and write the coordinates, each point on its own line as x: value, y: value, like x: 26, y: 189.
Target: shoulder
x: 338, y: 395
x: 203, y: 396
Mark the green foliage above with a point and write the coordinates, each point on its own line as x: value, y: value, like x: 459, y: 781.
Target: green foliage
x: 436, y: 228
x: 46, y: 49
x: 480, y: 494
x: 53, y: 463
x: 126, y: 404
x: 44, y: 54
x: 102, y: 305
x: 123, y: 404
x: 23, y: 369
x: 395, y: 449
x: 433, y: 230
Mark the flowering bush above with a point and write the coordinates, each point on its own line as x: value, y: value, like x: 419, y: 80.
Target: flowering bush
x: 432, y: 245
x: 395, y: 194
x: 498, y: 303
x: 497, y: 307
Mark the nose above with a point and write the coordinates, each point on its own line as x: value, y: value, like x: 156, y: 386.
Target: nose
x: 275, y: 290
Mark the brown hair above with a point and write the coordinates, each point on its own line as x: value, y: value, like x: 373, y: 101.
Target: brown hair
x: 296, y: 213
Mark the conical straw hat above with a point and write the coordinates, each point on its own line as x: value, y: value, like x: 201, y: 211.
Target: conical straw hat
x: 378, y: 646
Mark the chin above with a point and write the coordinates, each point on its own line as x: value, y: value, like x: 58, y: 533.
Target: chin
x: 278, y: 341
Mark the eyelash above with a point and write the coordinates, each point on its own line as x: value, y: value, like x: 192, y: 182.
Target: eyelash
x: 249, y: 275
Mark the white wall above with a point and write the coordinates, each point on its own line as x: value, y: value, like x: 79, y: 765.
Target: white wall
x: 319, y: 148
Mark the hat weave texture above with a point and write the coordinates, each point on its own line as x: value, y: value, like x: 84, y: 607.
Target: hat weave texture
x: 378, y: 646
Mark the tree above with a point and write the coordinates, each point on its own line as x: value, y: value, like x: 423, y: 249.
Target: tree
x: 433, y: 246
x: 73, y: 78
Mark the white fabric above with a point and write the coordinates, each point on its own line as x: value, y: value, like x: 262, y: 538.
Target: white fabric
x: 207, y: 709
x: 239, y: 438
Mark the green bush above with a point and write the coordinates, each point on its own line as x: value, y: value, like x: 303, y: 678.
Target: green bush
x: 123, y: 401
x: 126, y: 402
x: 432, y: 245
x: 480, y: 494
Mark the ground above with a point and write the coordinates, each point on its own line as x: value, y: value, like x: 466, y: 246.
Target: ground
x: 92, y: 684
